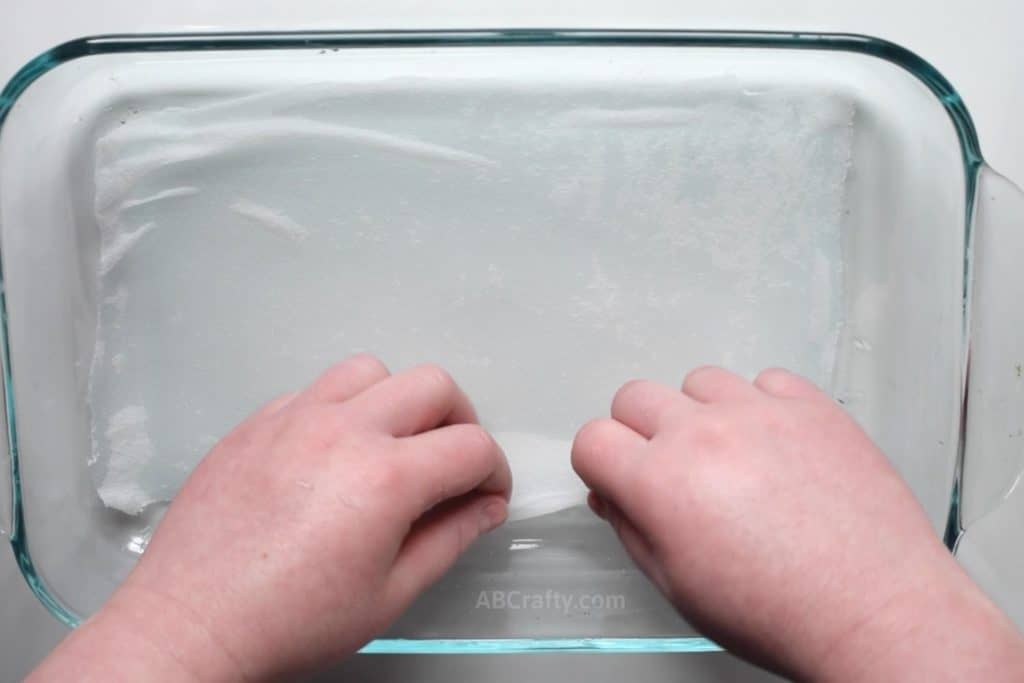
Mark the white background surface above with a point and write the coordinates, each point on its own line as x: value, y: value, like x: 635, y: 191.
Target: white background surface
x: 976, y: 45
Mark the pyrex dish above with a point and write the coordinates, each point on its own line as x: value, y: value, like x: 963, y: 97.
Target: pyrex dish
x: 192, y: 224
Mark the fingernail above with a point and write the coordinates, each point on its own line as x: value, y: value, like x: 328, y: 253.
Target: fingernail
x: 492, y: 514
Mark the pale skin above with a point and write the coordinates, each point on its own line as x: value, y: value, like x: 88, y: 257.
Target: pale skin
x: 760, y: 510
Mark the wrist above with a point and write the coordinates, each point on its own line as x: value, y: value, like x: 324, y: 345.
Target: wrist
x: 950, y: 631
x: 175, y: 632
x: 141, y: 636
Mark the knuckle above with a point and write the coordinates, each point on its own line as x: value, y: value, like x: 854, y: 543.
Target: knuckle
x: 328, y: 379
x: 591, y: 436
x: 629, y: 391
x: 367, y: 364
x: 702, y: 373
x: 631, y: 387
x: 361, y: 365
x: 782, y: 382
x: 434, y: 374
x: 775, y: 376
x: 478, y: 438
x: 485, y: 437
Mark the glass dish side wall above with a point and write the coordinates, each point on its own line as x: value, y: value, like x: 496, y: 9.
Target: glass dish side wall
x: 884, y: 220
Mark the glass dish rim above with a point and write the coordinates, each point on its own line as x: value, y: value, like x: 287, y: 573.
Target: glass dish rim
x: 870, y: 46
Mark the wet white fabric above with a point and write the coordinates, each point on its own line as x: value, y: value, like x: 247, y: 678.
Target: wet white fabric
x: 545, y: 245
x: 543, y: 480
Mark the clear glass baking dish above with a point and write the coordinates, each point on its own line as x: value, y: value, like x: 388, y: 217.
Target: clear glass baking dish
x: 191, y: 224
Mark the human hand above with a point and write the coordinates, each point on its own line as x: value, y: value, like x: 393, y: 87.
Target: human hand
x: 304, y: 533
x: 772, y: 522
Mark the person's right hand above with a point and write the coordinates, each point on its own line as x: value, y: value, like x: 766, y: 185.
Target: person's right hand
x: 303, y: 534
x: 772, y: 522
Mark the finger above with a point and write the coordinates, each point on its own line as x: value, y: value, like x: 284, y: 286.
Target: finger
x: 451, y: 461
x: 643, y: 405
x: 596, y: 504
x: 438, y: 539
x: 635, y: 543
x: 785, y: 384
x: 345, y: 380
x: 710, y: 384
x: 413, y: 401
x: 603, y: 453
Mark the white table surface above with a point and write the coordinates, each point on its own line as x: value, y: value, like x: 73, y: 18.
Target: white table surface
x: 976, y: 45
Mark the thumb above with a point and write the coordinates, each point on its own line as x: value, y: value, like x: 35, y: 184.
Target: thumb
x: 437, y: 540
x: 632, y: 539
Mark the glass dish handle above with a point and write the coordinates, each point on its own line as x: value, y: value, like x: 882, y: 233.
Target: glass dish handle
x: 991, y: 509
x: 994, y: 457
x: 6, y: 475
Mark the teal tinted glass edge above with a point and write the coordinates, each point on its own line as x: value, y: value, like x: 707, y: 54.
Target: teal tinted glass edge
x: 141, y: 43
x: 476, y: 646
